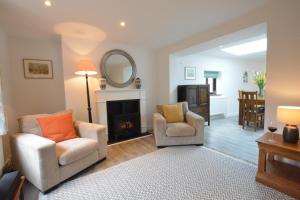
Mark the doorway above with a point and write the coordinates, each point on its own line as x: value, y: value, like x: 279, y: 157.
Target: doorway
x: 229, y: 65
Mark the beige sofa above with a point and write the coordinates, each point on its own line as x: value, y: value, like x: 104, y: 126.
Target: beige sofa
x: 183, y: 133
x: 46, y: 163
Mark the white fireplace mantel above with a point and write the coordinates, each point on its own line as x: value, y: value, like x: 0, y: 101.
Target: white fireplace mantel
x: 102, y: 96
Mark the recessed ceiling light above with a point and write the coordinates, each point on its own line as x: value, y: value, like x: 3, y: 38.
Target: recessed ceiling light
x: 248, y: 48
x: 48, y: 3
x: 122, y: 24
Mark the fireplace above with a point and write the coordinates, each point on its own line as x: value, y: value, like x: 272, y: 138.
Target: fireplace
x: 124, y: 120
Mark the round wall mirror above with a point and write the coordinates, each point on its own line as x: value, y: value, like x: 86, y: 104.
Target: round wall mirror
x: 118, y: 68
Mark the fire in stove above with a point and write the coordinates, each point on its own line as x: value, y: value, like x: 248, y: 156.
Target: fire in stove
x: 126, y: 125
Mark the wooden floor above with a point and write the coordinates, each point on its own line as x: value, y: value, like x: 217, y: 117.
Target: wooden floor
x: 123, y: 151
x: 226, y: 136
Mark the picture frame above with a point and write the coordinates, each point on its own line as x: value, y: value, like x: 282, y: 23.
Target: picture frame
x: 190, y: 73
x: 37, y: 69
x: 245, y: 77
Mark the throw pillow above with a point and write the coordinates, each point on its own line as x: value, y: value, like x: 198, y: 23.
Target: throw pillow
x: 58, y: 127
x: 173, y: 113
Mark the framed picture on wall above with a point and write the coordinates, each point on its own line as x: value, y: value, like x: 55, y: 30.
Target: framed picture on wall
x: 190, y: 73
x: 38, y: 69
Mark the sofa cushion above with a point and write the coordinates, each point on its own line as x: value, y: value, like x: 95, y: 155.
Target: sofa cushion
x: 173, y: 113
x: 69, y: 151
x: 184, y: 107
x: 58, y: 127
x: 180, y: 129
x: 29, y: 124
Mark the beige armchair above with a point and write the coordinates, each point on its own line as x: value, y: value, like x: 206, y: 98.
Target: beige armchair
x: 181, y: 133
x: 46, y: 163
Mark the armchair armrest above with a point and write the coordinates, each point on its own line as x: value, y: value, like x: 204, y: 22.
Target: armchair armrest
x: 195, y: 121
x: 36, y: 157
x: 159, y: 122
x: 96, y: 132
x: 89, y: 130
x: 159, y: 127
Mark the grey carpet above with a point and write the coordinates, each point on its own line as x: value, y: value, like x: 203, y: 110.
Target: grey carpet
x: 171, y: 173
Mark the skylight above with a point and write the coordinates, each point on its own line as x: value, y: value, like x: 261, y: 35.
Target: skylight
x: 248, y: 48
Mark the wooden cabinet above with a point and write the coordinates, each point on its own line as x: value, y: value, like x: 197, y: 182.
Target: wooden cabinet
x: 197, y: 97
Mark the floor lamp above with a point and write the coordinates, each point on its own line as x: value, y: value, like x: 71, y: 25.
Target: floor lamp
x: 86, y: 68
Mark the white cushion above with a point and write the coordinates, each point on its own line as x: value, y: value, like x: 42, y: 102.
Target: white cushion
x: 180, y: 129
x: 69, y: 151
x: 29, y: 124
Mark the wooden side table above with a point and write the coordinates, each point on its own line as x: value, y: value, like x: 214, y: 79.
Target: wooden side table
x: 282, y: 176
x: 19, y: 193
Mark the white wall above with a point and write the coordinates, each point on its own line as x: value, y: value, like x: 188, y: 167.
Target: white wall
x: 228, y: 84
x: 75, y: 91
x: 283, y: 58
x: 33, y: 96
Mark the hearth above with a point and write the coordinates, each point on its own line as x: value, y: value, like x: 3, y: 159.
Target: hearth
x: 124, y: 120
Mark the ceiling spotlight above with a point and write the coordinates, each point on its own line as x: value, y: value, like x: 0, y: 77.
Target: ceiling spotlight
x: 122, y: 24
x: 48, y: 3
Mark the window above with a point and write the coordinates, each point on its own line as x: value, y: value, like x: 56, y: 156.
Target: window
x: 2, y: 116
x: 212, y: 82
x: 211, y: 78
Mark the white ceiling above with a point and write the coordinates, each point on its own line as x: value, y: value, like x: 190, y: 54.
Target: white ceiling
x: 150, y: 23
x: 217, y: 51
x: 213, y: 47
x: 255, y: 57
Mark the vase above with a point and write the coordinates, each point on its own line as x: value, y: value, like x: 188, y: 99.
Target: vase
x: 138, y: 83
x: 261, y: 92
x: 103, y: 84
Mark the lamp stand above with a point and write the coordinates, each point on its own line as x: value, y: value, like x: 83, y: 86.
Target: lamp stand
x: 88, y: 98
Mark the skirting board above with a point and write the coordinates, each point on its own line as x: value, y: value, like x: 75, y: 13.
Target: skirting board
x: 222, y: 116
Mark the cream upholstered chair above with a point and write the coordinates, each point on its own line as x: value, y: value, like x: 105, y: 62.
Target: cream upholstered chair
x: 181, y: 133
x: 46, y: 163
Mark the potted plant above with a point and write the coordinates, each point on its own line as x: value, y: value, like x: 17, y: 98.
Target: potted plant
x: 260, y: 81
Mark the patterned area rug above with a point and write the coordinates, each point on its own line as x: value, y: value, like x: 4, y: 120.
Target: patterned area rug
x: 171, y: 173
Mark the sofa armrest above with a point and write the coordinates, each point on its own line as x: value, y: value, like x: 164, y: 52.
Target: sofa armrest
x: 36, y: 157
x: 92, y: 131
x: 195, y: 121
x: 96, y: 132
x: 159, y: 126
x: 159, y: 122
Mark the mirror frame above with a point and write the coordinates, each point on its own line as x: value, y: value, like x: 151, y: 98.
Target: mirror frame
x: 105, y: 74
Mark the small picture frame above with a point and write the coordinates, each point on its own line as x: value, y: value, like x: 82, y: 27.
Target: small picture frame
x: 190, y: 73
x: 245, y: 77
x: 37, y: 69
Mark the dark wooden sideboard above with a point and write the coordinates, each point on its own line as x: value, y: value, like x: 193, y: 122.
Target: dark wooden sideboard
x: 198, y: 98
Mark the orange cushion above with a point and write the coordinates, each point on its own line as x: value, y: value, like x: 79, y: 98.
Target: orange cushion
x: 58, y: 127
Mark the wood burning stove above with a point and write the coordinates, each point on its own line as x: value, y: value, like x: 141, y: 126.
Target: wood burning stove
x: 124, y: 120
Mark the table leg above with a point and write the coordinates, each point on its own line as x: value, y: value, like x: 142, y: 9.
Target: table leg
x: 262, y: 161
x: 240, y: 113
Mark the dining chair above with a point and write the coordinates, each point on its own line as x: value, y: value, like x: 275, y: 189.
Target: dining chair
x: 252, y: 113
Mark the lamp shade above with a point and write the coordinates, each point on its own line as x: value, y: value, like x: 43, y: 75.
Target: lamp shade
x: 288, y: 115
x: 85, y: 67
